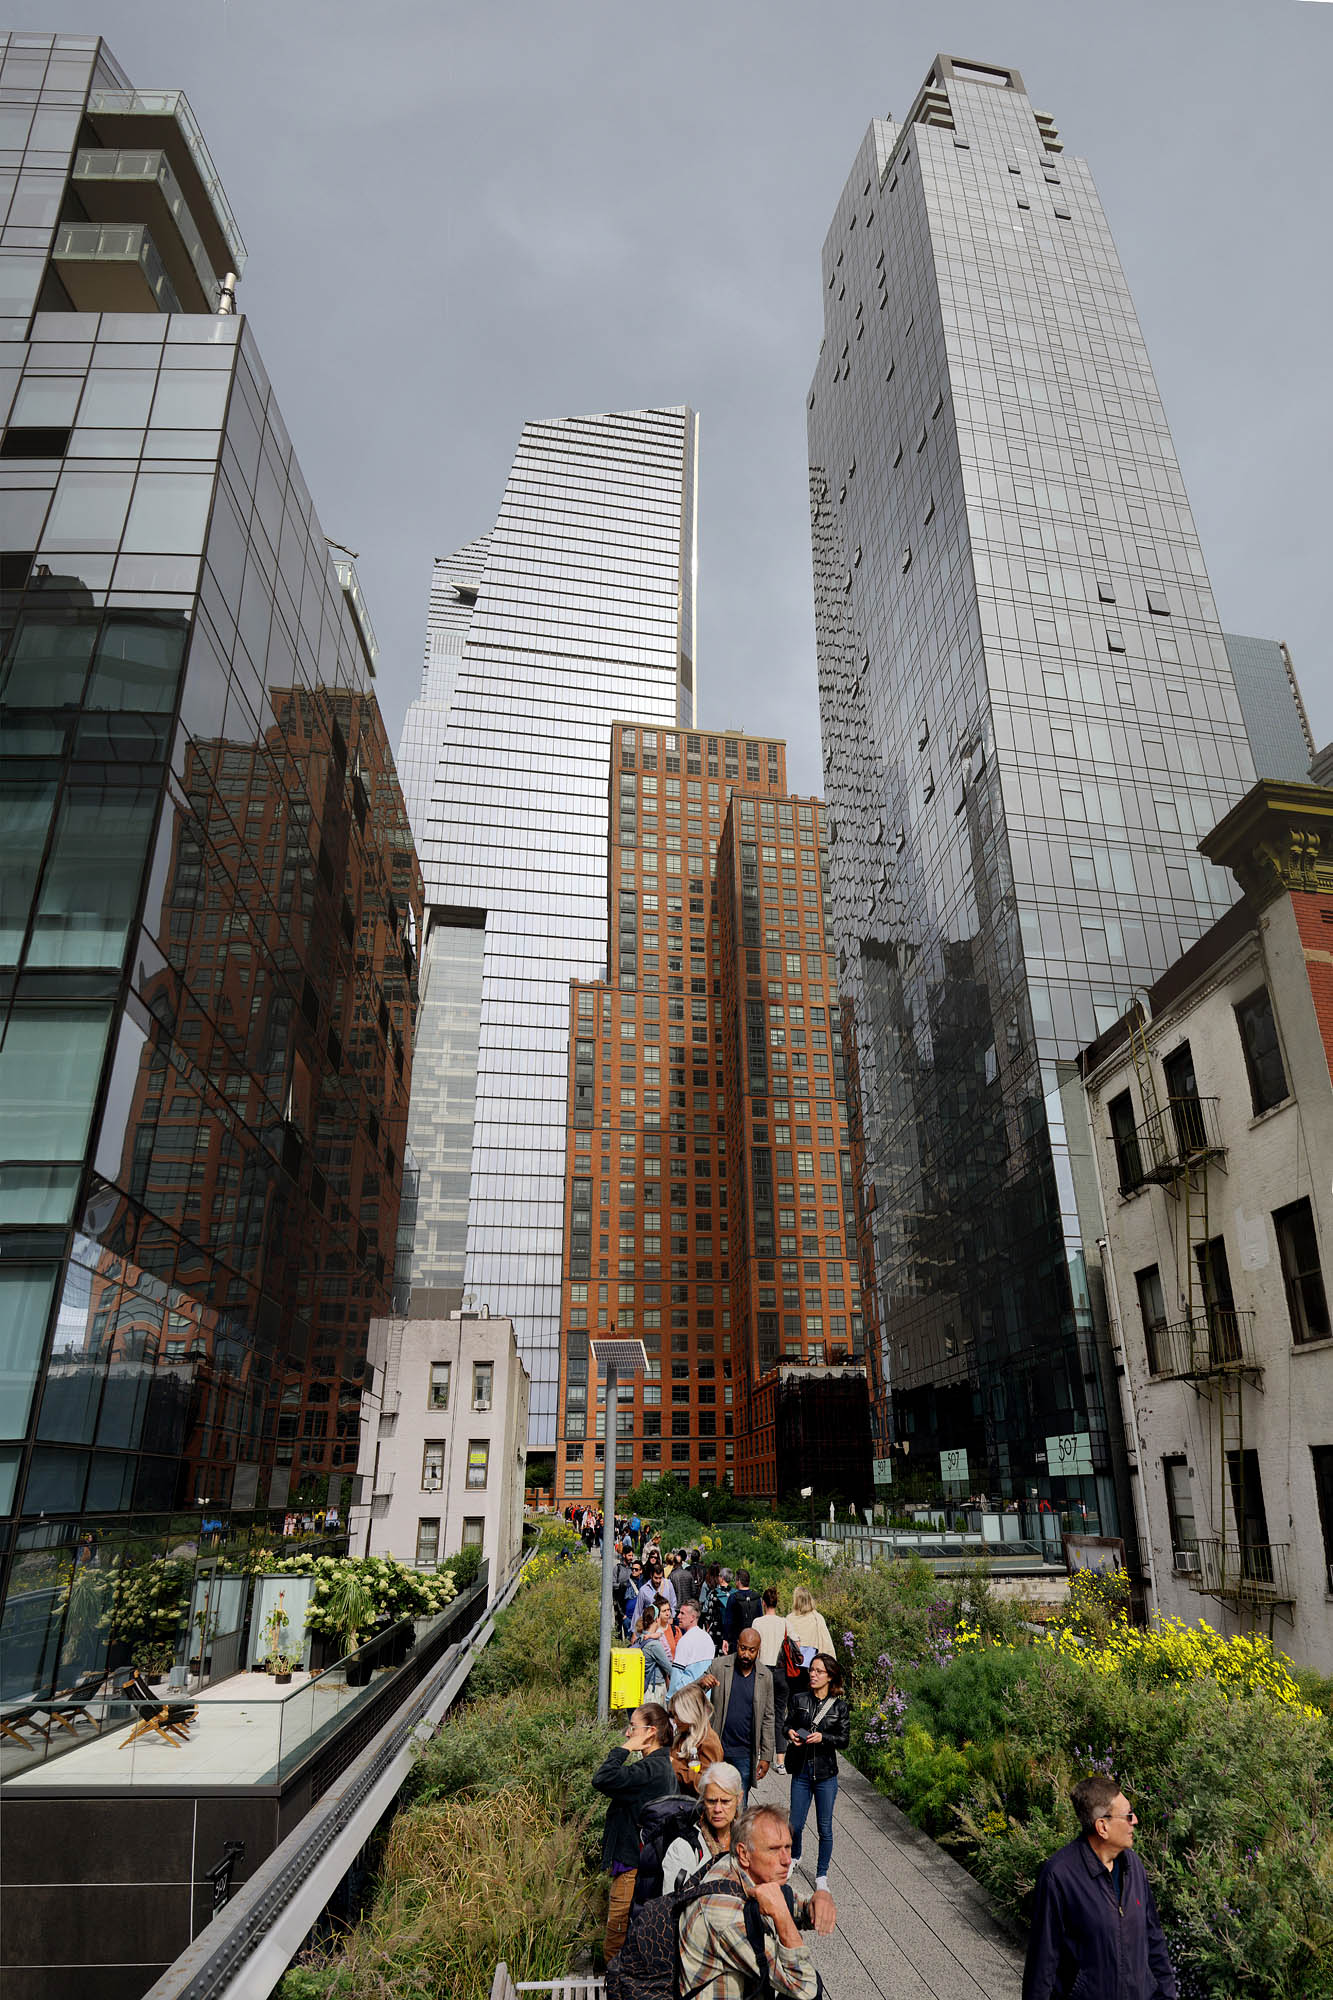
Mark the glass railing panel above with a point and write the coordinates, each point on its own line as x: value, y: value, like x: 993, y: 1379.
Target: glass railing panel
x: 175, y: 104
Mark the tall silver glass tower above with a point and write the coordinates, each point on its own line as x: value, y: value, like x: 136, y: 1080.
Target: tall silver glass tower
x: 1029, y: 719
x: 576, y: 610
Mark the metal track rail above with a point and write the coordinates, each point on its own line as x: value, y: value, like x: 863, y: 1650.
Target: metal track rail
x: 251, y: 1942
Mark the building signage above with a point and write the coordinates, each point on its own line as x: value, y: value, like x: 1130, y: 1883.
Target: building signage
x: 883, y: 1471
x: 953, y: 1466
x: 1069, y: 1455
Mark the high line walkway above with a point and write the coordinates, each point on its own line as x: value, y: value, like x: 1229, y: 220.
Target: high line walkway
x: 912, y: 1923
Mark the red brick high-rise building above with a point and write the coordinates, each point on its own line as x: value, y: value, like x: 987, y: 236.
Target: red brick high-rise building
x: 709, y: 1208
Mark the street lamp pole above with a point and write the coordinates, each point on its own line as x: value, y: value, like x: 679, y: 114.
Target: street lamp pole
x: 628, y: 1358
x: 608, y: 1550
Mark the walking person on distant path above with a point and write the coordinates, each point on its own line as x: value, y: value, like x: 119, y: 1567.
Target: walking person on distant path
x: 743, y: 1608
x: 818, y: 1726
x: 772, y: 1630
x: 630, y: 1786
x: 1095, y: 1928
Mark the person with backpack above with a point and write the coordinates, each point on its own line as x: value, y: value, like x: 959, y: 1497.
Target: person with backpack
x: 743, y: 1608
x: 712, y: 1606
x: 637, y: 1771
x: 740, y: 1929
x: 818, y: 1726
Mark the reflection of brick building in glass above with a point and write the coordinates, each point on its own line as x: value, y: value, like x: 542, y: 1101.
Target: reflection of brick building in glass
x: 300, y: 1250
x: 209, y: 904
x: 731, y: 1257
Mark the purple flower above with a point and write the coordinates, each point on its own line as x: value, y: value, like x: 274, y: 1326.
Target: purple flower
x: 849, y: 1641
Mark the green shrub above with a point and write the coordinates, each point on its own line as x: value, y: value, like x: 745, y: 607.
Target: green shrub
x: 548, y: 1637
x: 545, y: 1739
x: 464, y: 1566
x: 973, y: 1699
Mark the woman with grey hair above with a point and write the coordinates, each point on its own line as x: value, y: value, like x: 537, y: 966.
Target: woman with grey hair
x: 721, y: 1790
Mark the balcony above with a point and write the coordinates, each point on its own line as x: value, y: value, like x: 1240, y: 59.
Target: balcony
x: 125, y: 119
x: 137, y: 185
x: 112, y: 268
x: 1218, y: 1341
x: 1243, y: 1572
x: 1183, y: 1133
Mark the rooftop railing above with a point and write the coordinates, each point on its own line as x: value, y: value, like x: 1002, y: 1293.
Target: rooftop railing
x: 175, y: 104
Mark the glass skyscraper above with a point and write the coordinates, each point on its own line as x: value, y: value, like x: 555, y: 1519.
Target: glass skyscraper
x: 208, y: 893
x: 1029, y: 719
x: 578, y: 608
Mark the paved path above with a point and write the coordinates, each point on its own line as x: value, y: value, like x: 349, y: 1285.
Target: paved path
x: 912, y: 1924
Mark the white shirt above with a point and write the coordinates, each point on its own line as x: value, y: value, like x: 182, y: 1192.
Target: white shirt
x: 772, y: 1630
x: 693, y: 1646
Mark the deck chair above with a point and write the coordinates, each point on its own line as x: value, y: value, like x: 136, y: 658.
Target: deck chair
x: 27, y: 1715
x: 168, y: 1719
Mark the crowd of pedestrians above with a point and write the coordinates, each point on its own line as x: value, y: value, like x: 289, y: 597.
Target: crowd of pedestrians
x: 702, y: 1900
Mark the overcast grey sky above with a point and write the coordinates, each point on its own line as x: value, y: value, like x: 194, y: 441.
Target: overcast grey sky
x: 463, y: 214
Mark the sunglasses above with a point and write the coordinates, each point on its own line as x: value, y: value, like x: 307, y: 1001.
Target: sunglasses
x: 1132, y: 1817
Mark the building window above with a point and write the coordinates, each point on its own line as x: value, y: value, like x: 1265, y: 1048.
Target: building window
x: 1124, y: 1137
x: 428, y: 1544
x: 482, y: 1377
x: 1322, y: 1457
x: 1298, y: 1247
x: 1180, y: 1510
x: 1183, y: 1093
x: 432, y: 1468
x: 478, y: 1460
x: 474, y: 1531
x: 1250, y: 1515
x: 1263, y: 1057
x: 1152, y: 1306
x: 438, y: 1398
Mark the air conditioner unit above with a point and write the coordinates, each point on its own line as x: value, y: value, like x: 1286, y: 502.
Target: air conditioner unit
x: 1186, y: 1560
x: 483, y: 1405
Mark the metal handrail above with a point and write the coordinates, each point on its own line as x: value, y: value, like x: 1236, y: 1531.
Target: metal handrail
x: 1175, y: 1136
x: 1250, y: 1572
x: 1217, y: 1341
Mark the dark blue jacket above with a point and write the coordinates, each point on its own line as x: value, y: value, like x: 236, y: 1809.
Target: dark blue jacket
x: 1086, y: 1944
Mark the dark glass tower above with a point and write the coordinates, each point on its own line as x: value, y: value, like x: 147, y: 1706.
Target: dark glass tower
x: 1029, y: 719
x: 208, y: 891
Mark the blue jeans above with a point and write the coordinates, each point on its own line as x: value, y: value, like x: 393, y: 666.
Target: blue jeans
x: 739, y: 1761
x: 823, y: 1791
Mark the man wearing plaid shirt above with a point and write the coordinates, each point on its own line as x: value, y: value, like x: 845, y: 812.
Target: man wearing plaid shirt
x: 717, y: 1959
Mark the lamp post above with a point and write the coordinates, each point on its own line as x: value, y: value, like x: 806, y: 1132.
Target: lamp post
x: 614, y: 1358
x: 808, y: 1493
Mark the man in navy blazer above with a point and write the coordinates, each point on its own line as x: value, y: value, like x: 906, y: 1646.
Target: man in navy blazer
x: 1095, y: 1928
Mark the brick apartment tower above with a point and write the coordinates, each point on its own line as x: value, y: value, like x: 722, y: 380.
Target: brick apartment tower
x: 750, y: 1309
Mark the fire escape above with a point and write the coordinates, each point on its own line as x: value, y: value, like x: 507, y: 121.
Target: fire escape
x: 1212, y: 1347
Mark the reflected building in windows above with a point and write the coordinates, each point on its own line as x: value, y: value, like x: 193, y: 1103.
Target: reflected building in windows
x: 578, y: 607
x: 1029, y: 720
x: 209, y: 897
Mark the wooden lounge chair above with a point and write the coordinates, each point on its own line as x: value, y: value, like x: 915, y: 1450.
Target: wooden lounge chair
x: 25, y: 1715
x: 168, y: 1719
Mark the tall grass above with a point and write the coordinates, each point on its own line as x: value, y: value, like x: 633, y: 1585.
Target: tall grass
x: 497, y: 1855
x: 466, y: 1882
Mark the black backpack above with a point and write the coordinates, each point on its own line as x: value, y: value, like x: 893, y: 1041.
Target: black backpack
x: 648, y: 1964
x: 661, y: 1822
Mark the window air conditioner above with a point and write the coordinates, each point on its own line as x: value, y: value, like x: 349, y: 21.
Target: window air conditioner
x: 482, y: 1404
x: 1186, y: 1560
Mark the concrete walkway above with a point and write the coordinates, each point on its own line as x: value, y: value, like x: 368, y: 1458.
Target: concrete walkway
x: 912, y: 1924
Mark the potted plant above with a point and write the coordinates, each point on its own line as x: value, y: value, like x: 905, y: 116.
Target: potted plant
x: 277, y: 1625
x: 349, y: 1611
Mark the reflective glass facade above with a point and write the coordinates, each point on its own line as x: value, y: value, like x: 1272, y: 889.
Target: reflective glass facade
x: 584, y: 611
x: 1270, y: 701
x: 1029, y: 719
x: 208, y: 900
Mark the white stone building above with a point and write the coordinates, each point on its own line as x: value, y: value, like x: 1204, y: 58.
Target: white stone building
x: 1212, y: 1131
x: 444, y: 1427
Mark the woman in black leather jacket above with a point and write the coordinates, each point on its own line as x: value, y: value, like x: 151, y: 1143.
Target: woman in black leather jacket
x: 817, y: 1728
